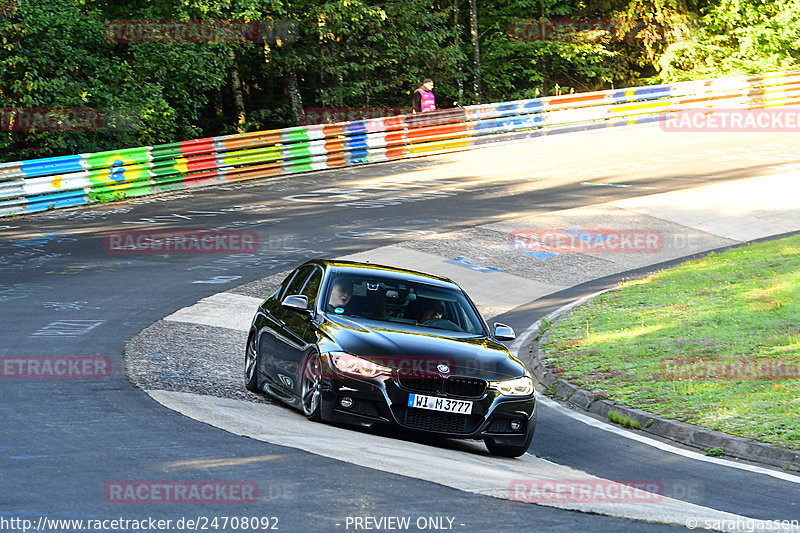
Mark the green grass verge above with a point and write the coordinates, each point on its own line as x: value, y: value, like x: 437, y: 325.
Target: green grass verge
x: 713, y: 342
x: 623, y: 420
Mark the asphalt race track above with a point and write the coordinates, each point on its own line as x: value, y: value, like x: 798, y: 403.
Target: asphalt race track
x: 68, y: 444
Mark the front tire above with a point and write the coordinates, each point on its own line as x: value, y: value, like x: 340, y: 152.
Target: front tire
x: 251, y: 365
x: 310, y: 394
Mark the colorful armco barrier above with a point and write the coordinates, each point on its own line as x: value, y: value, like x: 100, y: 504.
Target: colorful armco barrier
x: 54, y: 182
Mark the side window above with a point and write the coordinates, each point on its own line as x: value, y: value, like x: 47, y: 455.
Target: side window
x: 281, y: 292
x: 297, y: 283
x: 311, y: 288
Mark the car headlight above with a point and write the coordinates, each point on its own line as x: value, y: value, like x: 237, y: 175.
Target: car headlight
x: 356, y: 366
x: 514, y: 387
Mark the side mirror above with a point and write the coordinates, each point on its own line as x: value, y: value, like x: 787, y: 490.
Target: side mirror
x: 503, y: 332
x: 296, y: 303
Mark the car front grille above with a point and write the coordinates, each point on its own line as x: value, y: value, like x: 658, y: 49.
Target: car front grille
x: 438, y: 422
x: 419, y: 382
x: 456, y: 387
x: 465, y: 387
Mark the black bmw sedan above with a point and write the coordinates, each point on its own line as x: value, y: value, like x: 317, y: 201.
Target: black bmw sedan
x: 365, y: 344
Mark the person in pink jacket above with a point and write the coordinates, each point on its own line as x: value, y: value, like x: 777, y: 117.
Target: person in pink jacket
x: 424, y: 100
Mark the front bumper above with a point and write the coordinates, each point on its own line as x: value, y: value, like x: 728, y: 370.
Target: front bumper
x: 385, y: 401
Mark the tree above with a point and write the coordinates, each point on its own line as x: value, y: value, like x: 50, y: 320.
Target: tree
x: 737, y: 37
x: 352, y: 53
x: 55, y: 56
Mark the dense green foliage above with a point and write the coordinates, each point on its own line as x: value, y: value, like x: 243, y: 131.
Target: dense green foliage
x: 736, y: 37
x: 354, y: 54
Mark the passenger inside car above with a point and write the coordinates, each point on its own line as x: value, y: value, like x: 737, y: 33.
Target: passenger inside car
x: 431, y: 309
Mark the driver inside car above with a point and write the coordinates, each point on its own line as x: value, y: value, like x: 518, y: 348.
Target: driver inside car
x: 341, y: 292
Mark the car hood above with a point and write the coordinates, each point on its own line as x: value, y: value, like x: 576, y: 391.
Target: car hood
x: 423, y: 349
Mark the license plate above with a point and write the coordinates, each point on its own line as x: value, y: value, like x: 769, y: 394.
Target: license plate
x: 445, y: 405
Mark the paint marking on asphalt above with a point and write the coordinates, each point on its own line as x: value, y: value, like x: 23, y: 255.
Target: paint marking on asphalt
x: 205, y: 463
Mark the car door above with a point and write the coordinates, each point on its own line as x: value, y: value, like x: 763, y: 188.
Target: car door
x: 273, y: 336
x: 300, y: 331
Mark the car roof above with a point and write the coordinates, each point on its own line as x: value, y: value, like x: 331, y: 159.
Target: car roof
x: 354, y: 267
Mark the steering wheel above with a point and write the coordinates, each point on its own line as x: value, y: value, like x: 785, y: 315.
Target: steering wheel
x: 441, y: 323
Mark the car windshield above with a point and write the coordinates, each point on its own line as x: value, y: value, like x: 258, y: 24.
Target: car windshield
x: 400, y: 301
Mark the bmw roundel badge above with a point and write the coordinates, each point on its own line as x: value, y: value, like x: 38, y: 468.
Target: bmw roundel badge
x: 444, y: 369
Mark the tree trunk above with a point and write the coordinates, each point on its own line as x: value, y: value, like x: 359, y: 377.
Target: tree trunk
x: 476, y: 50
x: 238, y: 98
x: 295, y: 99
x: 544, y: 70
x: 459, y: 79
x: 292, y: 88
x: 219, y: 105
